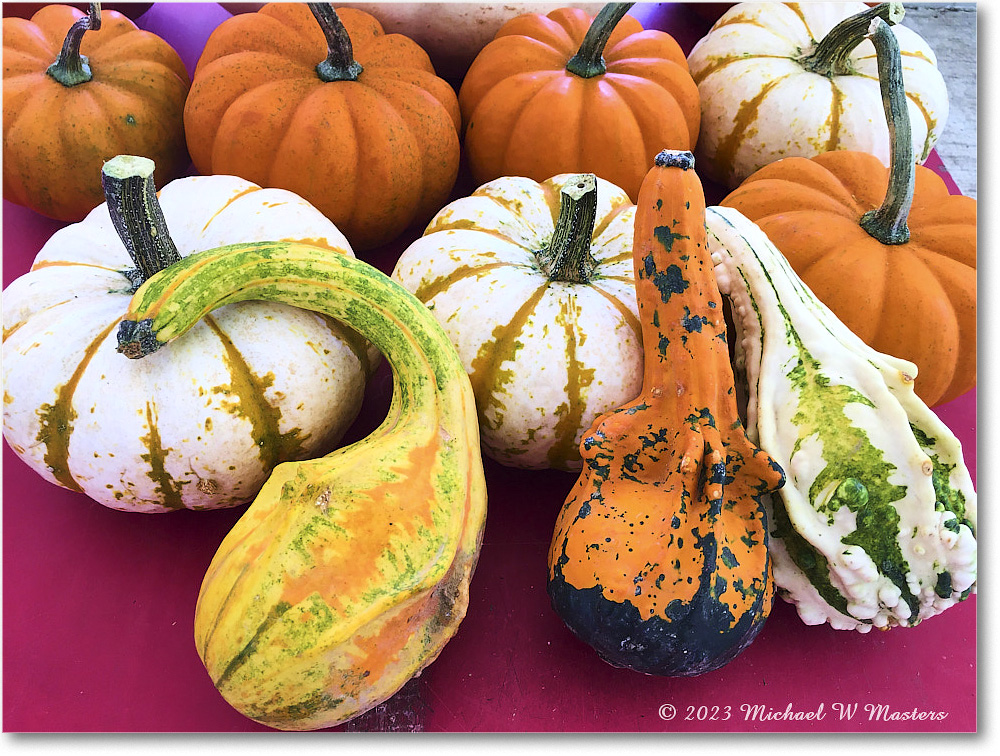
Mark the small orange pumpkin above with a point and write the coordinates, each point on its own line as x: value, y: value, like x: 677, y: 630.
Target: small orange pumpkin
x: 79, y: 89
x: 351, y: 119
x: 571, y: 93
x: 890, y: 251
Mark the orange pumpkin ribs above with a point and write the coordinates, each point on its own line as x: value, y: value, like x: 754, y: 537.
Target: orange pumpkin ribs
x: 568, y: 93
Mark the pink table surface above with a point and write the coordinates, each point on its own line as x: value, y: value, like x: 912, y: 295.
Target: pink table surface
x: 98, y: 607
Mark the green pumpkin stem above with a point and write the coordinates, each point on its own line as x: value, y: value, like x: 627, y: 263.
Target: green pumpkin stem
x: 888, y: 222
x: 568, y: 257
x: 137, y: 216
x: 340, y: 64
x: 831, y: 56
x: 72, y: 68
x: 589, y: 59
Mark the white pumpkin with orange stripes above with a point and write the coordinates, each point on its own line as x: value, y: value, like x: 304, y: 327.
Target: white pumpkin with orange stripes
x: 780, y: 80
x: 199, y: 425
x: 533, y: 283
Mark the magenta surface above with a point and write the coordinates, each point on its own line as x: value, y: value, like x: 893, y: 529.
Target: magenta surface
x: 98, y: 610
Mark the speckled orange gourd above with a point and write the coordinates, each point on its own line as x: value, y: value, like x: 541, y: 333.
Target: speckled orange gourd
x: 659, y: 557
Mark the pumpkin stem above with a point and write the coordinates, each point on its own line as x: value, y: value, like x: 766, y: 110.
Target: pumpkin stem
x: 340, y: 64
x: 589, y: 59
x: 72, y: 68
x: 888, y: 222
x: 137, y: 216
x: 831, y: 56
x: 568, y: 257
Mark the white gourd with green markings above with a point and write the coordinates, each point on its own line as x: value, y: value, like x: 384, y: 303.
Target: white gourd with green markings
x: 876, y: 523
x: 201, y: 425
x: 533, y: 283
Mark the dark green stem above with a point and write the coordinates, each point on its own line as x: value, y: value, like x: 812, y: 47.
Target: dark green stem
x: 137, y: 216
x: 568, y: 256
x: 888, y: 222
x: 682, y: 159
x: 831, y: 56
x: 589, y: 59
x: 340, y: 64
x: 72, y: 68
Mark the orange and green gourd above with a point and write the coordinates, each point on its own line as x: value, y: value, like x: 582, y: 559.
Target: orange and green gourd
x: 348, y: 573
x: 659, y: 559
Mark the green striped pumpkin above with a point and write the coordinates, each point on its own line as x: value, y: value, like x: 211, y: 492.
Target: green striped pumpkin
x: 200, y: 425
x: 533, y: 283
x: 876, y: 523
x: 349, y: 573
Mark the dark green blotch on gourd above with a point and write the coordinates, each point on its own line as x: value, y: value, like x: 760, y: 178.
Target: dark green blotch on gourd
x: 692, y: 638
x: 943, y: 586
x: 670, y: 282
x: 697, y: 638
x: 693, y: 323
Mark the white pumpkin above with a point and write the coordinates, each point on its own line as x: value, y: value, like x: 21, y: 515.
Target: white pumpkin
x: 762, y: 101
x: 547, y: 348
x: 198, y: 425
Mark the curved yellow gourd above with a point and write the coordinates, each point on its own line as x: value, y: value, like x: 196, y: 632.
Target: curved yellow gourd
x: 348, y: 573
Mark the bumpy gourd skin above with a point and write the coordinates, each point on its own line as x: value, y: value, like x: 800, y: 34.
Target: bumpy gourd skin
x: 659, y: 558
x: 348, y: 573
x: 876, y: 525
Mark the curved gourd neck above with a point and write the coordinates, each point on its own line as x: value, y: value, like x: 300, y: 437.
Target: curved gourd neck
x: 71, y: 67
x: 831, y: 56
x: 589, y: 59
x: 423, y: 359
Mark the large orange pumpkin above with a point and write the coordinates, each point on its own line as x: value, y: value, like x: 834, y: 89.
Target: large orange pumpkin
x: 351, y: 119
x: 79, y: 89
x: 571, y: 93
x: 889, y: 250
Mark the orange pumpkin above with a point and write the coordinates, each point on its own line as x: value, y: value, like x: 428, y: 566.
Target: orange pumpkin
x: 331, y: 108
x: 571, y: 93
x: 79, y: 89
x: 889, y: 250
